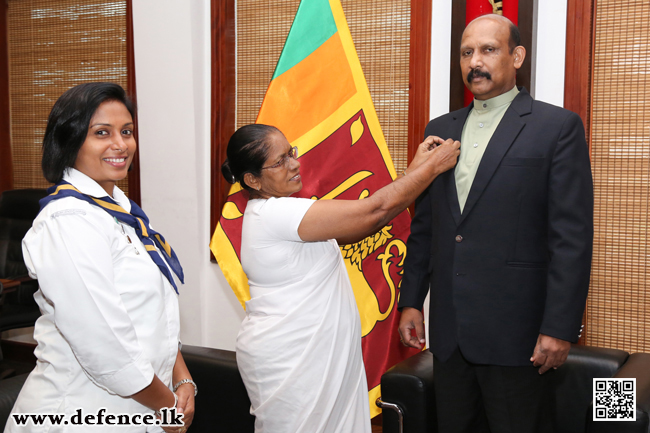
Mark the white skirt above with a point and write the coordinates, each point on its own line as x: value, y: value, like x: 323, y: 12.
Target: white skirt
x: 299, y: 354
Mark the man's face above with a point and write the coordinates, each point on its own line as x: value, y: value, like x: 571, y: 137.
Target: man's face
x: 488, y: 67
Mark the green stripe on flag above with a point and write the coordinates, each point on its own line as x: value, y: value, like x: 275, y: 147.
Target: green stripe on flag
x: 313, y: 25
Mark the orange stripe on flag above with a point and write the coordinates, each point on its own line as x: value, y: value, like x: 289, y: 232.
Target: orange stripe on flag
x: 311, y: 91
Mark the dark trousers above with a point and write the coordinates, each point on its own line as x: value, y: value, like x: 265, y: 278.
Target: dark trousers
x: 475, y: 398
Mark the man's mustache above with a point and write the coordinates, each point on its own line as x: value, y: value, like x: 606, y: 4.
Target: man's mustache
x: 476, y: 73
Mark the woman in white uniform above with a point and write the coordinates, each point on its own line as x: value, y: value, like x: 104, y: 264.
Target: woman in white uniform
x: 108, y: 337
x: 299, y: 347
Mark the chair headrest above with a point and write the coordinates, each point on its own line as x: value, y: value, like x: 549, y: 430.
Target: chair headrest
x: 21, y: 203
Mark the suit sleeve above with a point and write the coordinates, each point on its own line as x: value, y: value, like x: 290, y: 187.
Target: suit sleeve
x: 415, y: 283
x: 570, y: 232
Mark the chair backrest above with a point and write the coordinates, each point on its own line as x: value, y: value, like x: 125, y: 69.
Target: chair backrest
x: 18, y: 208
x: 574, y: 386
x: 9, y: 390
x: 222, y: 403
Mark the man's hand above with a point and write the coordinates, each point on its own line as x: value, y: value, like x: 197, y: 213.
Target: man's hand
x: 410, y: 319
x: 550, y: 352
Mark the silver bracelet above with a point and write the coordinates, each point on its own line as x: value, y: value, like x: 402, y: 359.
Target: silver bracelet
x: 181, y: 382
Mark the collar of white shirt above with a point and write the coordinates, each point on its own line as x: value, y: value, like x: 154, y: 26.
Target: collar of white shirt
x: 86, y: 185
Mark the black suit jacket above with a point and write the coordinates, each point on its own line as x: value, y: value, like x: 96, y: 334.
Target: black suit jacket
x: 516, y: 262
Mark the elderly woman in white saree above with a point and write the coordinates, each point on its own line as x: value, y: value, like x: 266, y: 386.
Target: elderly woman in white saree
x: 299, y: 347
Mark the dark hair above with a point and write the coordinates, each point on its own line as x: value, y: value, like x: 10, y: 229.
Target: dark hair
x: 515, y: 38
x: 248, y: 150
x: 68, y: 122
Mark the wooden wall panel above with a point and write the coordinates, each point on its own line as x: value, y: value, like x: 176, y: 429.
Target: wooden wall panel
x: 6, y: 167
x: 579, y: 59
x: 134, y: 173
x: 223, y: 99
x: 419, y: 73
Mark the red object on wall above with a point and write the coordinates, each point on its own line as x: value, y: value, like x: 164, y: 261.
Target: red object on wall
x: 511, y: 10
x: 476, y: 8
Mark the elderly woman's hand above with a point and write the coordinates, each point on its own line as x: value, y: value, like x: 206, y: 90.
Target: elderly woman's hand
x: 444, y: 160
x: 424, y: 152
x: 444, y: 157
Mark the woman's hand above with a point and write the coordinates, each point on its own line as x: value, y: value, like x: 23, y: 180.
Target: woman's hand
x: 444, y: 157
x: 185, y: 393
x: 438, y: 154
x: 424, y: 152
x: 185, y: 406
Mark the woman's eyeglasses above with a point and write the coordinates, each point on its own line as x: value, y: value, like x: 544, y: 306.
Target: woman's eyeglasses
x: 293, y: 153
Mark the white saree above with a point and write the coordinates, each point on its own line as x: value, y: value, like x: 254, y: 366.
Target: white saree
x: 299, y: 347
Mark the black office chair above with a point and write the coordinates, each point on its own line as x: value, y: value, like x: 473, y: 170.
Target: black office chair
x: 18, y: 208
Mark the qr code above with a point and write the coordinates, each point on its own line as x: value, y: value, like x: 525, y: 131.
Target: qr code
x: 615, y: 399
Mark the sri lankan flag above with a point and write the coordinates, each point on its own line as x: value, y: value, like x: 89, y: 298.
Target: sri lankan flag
x: 319, y: 99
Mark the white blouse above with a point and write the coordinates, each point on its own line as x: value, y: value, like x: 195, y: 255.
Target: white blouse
x: 110, y: 318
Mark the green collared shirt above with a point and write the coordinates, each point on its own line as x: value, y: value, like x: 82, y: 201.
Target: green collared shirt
x: 477, y: 132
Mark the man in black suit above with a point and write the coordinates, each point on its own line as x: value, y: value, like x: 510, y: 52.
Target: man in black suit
x: 504, y: 241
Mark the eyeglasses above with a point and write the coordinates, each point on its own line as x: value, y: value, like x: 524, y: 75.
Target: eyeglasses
x: 293, y: 153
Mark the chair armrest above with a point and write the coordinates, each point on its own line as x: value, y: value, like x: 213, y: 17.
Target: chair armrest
x: 574, y: 382
x: 637, y: 366
x: 22, y: 278
x: 222, y: 399
x: 409, y: 385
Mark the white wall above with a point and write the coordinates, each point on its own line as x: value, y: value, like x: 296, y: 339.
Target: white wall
x: 172, y: 56
x: 549, y: 45
x: 440, y: 57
